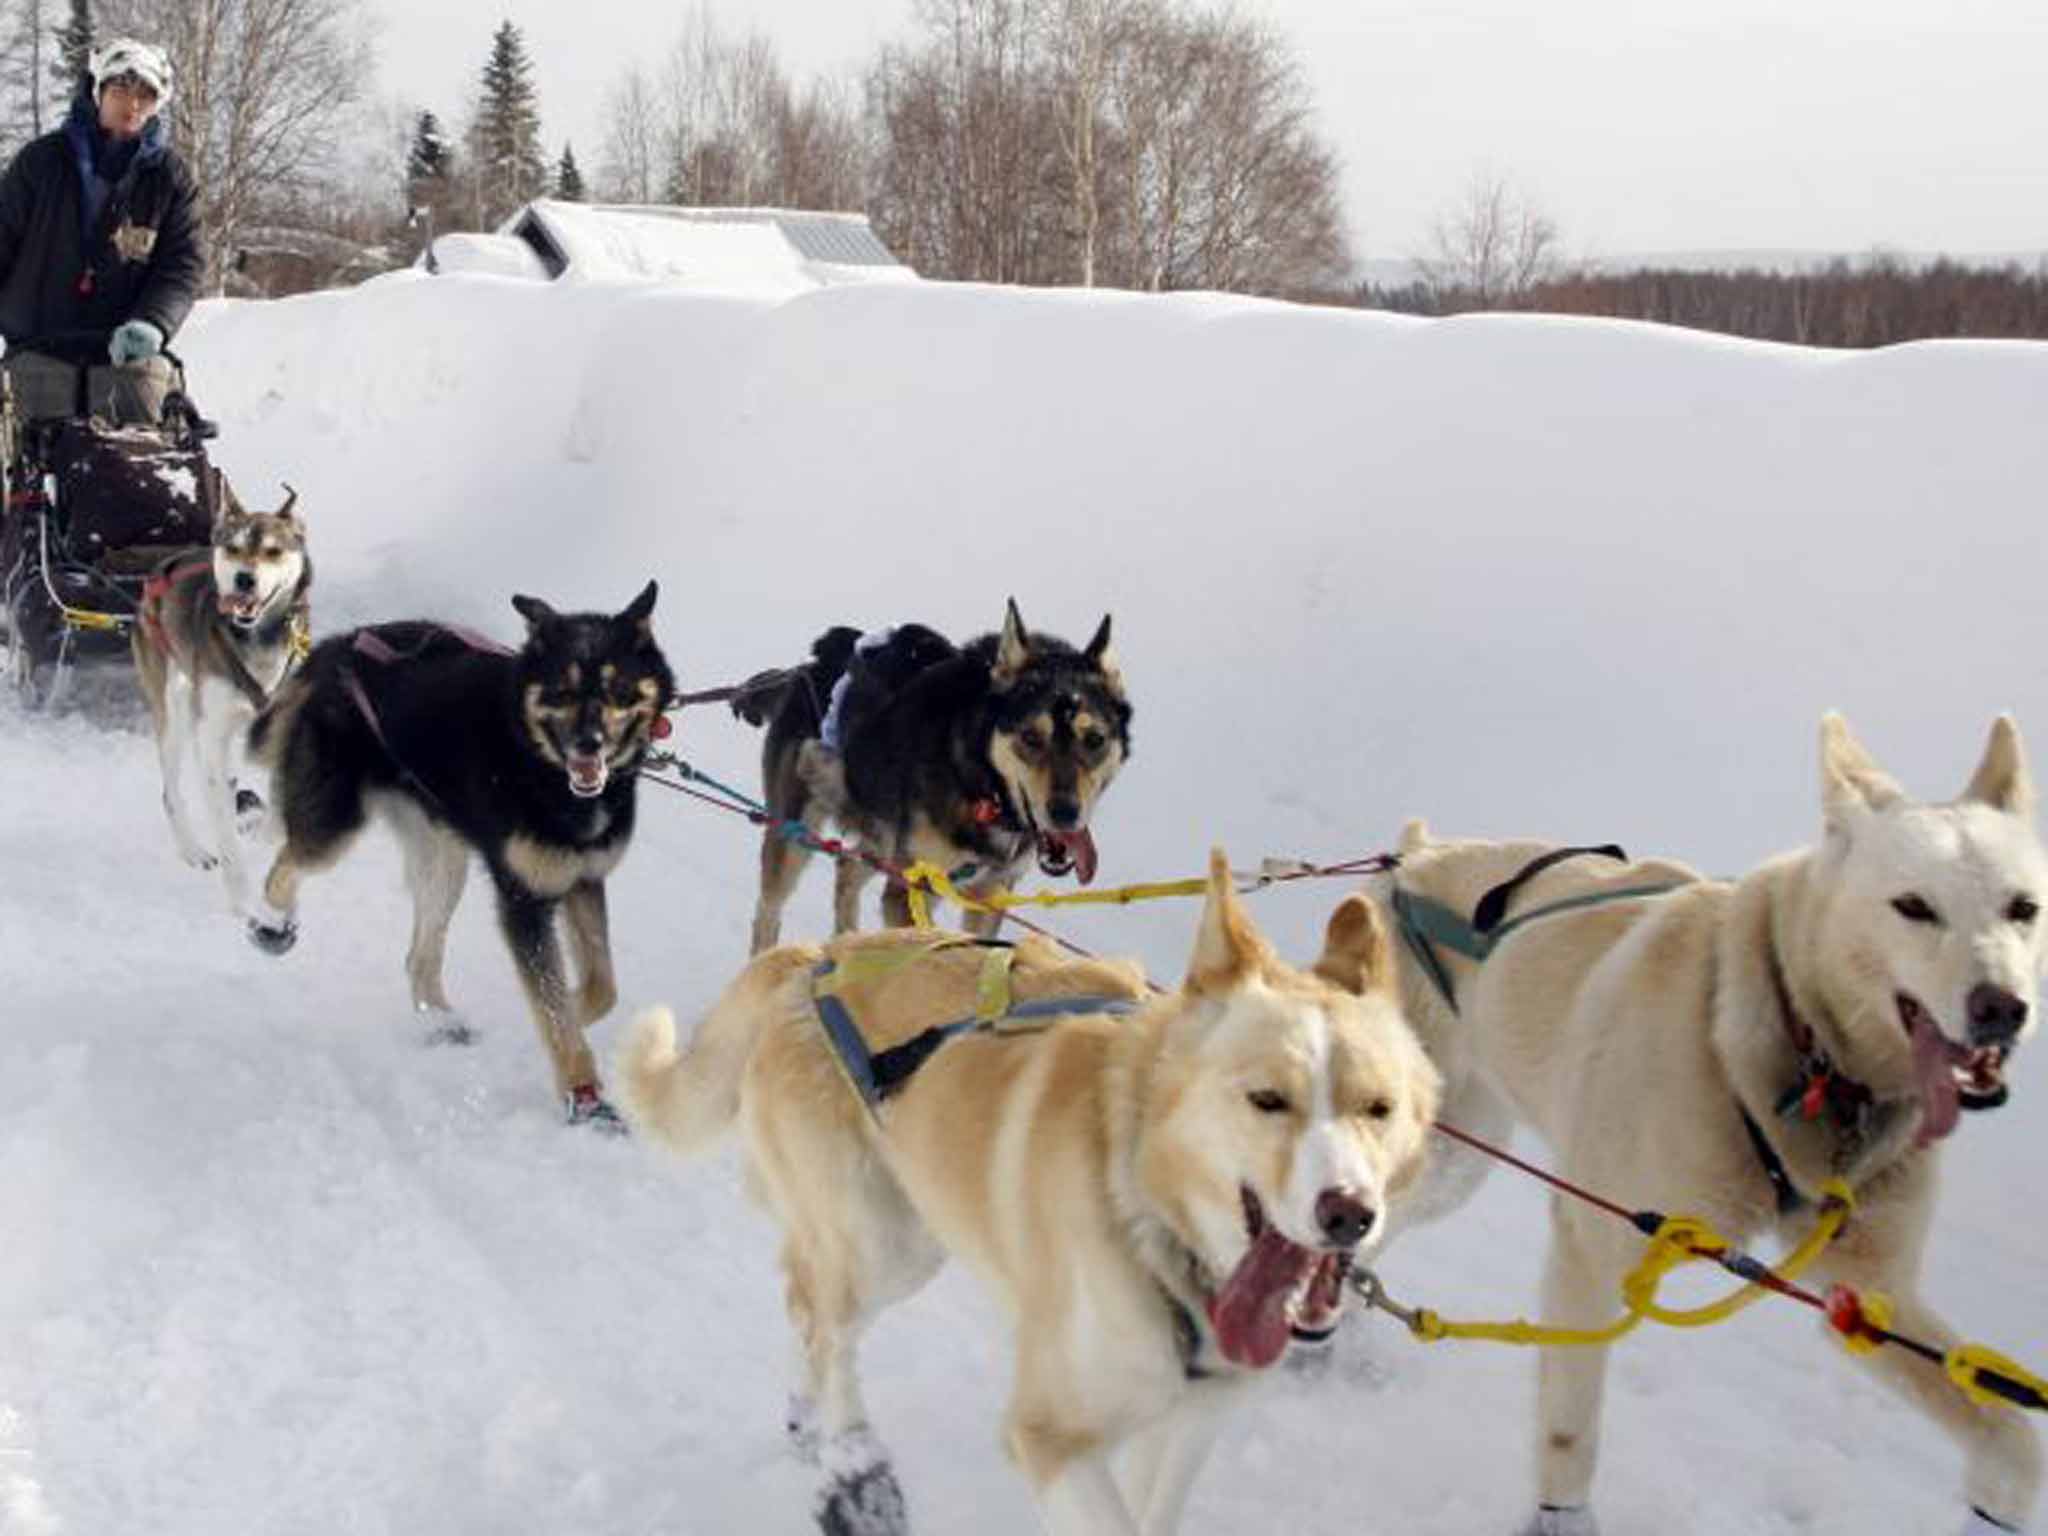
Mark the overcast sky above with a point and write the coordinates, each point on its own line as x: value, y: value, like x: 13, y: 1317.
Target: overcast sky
x: 1638, y: 126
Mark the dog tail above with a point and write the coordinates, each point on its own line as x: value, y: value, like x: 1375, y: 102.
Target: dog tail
x: 759, y: 699
x: 688, y: 1099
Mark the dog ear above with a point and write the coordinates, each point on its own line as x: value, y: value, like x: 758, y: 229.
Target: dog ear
x: 1013, y: 650
x: 1356, y: 956
x: 1414, y: 836
x: 1227, y: 947
x: 536, y: 613
x: 1101, y: 657
x: 226, y: 503
x: 2002, y: 780
x: 291, y: 500
x: 640, y: 613
x: 1851, y: 783
x: 1099, y: 646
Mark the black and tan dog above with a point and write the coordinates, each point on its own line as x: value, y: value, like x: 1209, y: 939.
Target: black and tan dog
x: 972, y: 758
x: 528, y: 758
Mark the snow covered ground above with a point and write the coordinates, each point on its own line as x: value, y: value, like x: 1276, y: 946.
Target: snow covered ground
x: 269, y: 1265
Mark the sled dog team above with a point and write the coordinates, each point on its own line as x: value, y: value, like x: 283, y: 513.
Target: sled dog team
x: 1166, y: 1189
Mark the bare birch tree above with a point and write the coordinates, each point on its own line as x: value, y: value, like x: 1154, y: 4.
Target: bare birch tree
x: 29, y: 104
x: 719, y: 124
x: 629, y: 169
x: 1493, y: 246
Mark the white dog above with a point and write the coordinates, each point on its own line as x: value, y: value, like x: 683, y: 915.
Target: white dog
x: 1723, y: 1049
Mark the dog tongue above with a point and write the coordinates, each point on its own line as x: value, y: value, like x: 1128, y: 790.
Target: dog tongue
x: 1080, y: 848
x: 1250, y: 1313
x: 1934, y: 1066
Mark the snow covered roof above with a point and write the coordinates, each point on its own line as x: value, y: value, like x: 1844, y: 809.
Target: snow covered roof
x: 775, y: 249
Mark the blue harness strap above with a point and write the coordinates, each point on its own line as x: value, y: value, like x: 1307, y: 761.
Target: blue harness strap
x: 875, y: 1075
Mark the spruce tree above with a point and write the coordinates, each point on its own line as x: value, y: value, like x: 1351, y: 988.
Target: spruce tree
x: 429, y: 158
x: 568, y: 179
x: 506, y: 152
x: 70, y: 67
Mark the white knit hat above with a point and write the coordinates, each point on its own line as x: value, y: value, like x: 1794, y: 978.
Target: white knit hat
x: 128, y: 56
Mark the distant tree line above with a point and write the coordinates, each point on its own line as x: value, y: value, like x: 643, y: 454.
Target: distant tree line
x: 1495, y: 249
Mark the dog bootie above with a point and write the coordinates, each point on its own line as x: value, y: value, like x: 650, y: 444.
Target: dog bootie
x: 586, y: 1106
x: 862, y: 1496
x: 1562, y: 1520
x: 273, y: 938
x: 1981, y: 1524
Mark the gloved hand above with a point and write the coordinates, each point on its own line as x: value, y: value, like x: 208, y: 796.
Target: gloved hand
x: 134, y: 340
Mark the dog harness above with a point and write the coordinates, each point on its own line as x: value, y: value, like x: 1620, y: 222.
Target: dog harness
x: 374, y: 647
x: 876, y: 1075
x: 157, y: 588
x: 1426, y: 923
x: 1818, y: 1090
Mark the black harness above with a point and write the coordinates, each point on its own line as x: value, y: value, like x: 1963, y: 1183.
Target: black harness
x: 877, y: 1075
x: 1817, y: 1091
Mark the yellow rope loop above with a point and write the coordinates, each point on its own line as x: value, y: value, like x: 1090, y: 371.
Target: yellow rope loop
x: 1966, y: 1362
x: 1700, y: 1241
x: 920, y: 878
x: 1679, y: 1241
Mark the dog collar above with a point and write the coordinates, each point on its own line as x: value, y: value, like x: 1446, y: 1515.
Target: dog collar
x: 1819, y: 1089
x: 1789, y: 1198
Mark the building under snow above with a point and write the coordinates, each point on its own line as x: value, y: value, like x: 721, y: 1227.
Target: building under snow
x: 776, y: 249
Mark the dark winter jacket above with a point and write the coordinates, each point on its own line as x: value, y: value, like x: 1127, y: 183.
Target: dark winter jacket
x: 140, y: 260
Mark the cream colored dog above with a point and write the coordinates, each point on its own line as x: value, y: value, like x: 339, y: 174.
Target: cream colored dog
x: 1848, y: 999
x: 1158, y: 1199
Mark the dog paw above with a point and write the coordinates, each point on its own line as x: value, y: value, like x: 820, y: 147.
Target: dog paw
x: 1554, y: 1520
x: 864, y: 1503
x: 446, y: 1028
x: 198, y: 858
x: 586, y: 1106
x: 273, y: 938
x: 249, y: 812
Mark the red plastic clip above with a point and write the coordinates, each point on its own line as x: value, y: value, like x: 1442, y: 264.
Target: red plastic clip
x: 1845, y: 1310
x: 662, y: 728
x: 986, y: 812
x: 1815, y: 1099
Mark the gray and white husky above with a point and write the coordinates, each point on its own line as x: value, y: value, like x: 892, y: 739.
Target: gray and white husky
x: 219, y: 628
